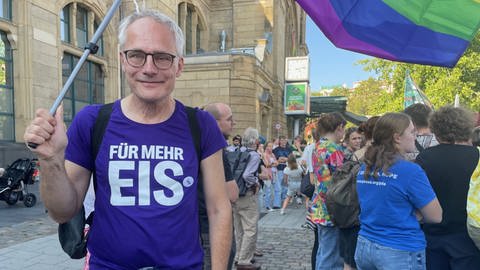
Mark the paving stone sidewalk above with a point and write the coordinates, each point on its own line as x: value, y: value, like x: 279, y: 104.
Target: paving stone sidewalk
x: 34, y: 244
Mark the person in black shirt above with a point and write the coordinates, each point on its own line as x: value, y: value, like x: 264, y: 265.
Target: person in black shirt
x: 223, y: 114
x: 449, y: 166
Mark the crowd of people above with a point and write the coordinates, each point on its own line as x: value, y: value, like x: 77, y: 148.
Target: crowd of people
x: 419, y: 169
x: 418, y: 185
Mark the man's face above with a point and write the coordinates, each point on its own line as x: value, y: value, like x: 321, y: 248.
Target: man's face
x: 236, y: 142
x: 283, y: 142
x: 149, y: 83
x: 225, y: 121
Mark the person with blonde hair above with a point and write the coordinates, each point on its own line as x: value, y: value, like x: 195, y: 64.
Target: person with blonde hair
x: 270, y: 163
x: 393, y: 194
x: 473, y: 199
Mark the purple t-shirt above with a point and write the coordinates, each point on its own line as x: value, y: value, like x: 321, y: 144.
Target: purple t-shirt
x: 146, y: 196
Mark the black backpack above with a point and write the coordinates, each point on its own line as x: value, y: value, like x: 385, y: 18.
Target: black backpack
x: 238, y: 161
x: 71, y: 234
x: 342, y: 198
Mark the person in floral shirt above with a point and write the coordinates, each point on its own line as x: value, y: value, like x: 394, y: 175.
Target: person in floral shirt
x: 326, y: 157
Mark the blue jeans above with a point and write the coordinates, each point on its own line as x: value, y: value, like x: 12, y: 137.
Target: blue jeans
x: 328, y: 253
x: 277, y: 188
x: 267, y: 192
x: 372, y: 256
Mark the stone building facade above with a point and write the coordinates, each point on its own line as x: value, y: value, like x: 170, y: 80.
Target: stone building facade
x: 235, y: 53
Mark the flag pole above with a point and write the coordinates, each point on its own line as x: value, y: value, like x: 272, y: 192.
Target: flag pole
x: 90, y: 48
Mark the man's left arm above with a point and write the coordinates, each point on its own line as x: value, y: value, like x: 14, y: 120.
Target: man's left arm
x: 250, y: 173
x: 218, y: 209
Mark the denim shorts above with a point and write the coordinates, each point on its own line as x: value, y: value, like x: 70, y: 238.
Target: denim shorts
x: 372, y: 256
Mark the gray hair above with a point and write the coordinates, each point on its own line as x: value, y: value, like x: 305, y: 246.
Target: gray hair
x: 160, y: 18
x: 250, y: 137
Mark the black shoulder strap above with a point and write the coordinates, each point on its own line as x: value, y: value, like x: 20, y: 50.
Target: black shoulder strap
x: 99, y: 128
x: 101, y: 123
x: 195, y: 131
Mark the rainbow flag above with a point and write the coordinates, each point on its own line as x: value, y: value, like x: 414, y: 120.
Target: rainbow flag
x: 431, y: 32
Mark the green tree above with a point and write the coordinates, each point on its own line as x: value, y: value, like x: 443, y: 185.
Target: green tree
x: 362, y: 98
x: 439, y: 84
x: 340, y: 91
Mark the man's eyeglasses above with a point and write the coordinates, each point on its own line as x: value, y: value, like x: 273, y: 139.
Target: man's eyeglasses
x: 137, y: 58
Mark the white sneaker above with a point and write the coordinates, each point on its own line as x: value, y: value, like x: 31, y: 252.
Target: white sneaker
x: 282, y: 212
x: 299, y: 201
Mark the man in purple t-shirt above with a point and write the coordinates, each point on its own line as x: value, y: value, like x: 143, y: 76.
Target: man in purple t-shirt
x: 147, y: 166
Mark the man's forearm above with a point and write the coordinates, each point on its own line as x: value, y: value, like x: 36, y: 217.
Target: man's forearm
x: 57, y: 192
x: 221, y: 237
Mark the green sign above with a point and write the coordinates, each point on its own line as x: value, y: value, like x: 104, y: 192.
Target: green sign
x: 296, y: 98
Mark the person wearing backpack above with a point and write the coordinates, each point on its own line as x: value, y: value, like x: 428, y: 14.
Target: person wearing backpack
x: 394, y: 194
x: 147, y: 166
x: 326, y: 158
x: 344, y: 206
x: 245, y: 209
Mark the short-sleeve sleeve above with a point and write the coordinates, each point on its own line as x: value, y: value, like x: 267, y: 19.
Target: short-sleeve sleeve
x: 419, y: 190
x: 212, y: 138
x: 79, y: 133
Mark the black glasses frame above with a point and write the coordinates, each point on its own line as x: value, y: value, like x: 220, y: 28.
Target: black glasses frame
x: 126, y: 52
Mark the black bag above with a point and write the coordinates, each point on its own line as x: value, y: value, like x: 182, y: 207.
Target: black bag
x: 72, y: 237
x: 238, y: 161
x: 342, y: 198
x: 306, y: 188
x: 72, y: 233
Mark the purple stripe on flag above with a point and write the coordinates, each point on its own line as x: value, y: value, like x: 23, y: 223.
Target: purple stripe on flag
x: 323, y: 14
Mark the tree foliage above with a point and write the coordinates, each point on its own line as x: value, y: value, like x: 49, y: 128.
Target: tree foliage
x: 439, y: 84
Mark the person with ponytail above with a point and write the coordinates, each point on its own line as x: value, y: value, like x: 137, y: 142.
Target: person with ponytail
x: 395, y: 196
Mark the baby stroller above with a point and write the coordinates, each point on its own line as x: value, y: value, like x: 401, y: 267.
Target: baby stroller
x: 15, y: 180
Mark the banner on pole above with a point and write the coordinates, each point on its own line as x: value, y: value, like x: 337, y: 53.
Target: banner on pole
x: 413, y: 94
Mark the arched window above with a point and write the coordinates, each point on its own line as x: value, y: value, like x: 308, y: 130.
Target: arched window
x: 7, y: 117
x: 6, y: 9
x: 88, y: 87
x: 77, y: 26
x: 75, y: 22
x: 194, y: 30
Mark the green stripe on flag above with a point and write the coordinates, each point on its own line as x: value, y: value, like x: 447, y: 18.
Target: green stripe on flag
x: 459, y: 18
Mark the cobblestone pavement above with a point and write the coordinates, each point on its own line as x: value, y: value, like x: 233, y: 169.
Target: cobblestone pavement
x: 285, y: 248
x: 26, y: 231
x: 34, y: 242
